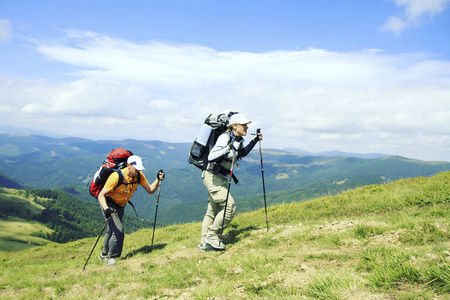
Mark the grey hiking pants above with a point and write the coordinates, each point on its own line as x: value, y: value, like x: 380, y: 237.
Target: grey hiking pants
x: 114, y: 237
x: 217, y: 186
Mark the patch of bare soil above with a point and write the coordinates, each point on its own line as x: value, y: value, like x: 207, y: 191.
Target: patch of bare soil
x: 337, y: 226
x: 388, y: 238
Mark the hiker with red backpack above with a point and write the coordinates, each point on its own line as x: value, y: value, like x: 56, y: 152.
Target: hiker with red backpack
x: 116, y: 192
x: 217, y: 175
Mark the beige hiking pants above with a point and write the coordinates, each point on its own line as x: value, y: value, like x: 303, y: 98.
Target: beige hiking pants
x: 217, y: 186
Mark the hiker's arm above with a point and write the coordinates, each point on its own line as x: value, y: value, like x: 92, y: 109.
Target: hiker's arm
x: 109, y: 186
x: 221, y: 148
x: 243, y: 151
x: 102, y: 198
x: 151, y: 188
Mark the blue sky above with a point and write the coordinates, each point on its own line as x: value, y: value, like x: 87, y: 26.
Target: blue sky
x: 355, y: 76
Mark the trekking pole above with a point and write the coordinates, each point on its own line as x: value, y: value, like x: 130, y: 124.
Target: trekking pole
x: 258, y: 131
x: 156, y: 212
x: 228, y: 192
x: 106, y: 222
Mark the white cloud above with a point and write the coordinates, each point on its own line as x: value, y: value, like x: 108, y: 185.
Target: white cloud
x: 416, y: 13
x: 363, y: 101
x: 5, y: 108
x: 417, y: 8
x: 5, y: 30
x: 395, y: 24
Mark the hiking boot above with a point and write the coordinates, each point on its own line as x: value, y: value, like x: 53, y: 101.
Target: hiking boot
x: 111, y: 262
x: 204, y: 247
x: 216, y: 244
x: 103, y: 258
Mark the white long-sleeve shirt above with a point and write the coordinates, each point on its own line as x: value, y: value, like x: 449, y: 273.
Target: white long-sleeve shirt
x: 222, y: 154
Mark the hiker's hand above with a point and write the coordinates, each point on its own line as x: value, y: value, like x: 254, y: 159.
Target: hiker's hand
x: 258, y: 136
x: 161, y: 175
x: 108, y: 212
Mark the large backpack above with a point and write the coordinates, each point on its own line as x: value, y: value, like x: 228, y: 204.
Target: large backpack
x: 212, y: 128
x: 116, y: 160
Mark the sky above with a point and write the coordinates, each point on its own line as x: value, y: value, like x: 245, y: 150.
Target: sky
x: 355, y: 76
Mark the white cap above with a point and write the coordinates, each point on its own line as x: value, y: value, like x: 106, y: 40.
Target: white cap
x: 136, y: 161
x: 238, y: 119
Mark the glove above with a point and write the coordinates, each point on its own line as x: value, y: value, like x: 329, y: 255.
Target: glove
x: 108, y: 212
x: 163, y: 175
x: 258, y: 136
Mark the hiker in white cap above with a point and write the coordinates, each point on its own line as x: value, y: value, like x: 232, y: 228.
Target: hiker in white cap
x: 113, y: 197
x: 215, y: 179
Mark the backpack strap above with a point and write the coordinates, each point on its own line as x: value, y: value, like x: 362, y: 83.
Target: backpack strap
x: 132, y: 205
x: 121, y: 177
x: 218, y: 169
x: 215, y: 166
x: 219, y: 159
x: 138, y: 180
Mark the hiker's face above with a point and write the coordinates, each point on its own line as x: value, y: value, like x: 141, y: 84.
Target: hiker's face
x: 240, y: 129
x: 132, y: 172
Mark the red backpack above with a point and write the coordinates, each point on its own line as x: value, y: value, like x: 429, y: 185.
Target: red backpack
x: 116, y: 160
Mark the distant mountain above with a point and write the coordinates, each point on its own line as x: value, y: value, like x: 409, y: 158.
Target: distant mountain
x: 24, y: 130
x: 68, y: 164
x: 336, y: 153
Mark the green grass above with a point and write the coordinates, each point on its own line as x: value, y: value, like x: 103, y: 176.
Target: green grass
x: 377, y: 242
x: 330, y: 286
x: 15, y: 234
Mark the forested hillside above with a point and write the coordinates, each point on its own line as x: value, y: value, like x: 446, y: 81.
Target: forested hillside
x: 68, y: 218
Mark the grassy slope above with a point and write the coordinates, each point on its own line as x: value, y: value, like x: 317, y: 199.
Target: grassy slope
x: 15, y: 234
x: 377, y: 242
x: 15, y: 231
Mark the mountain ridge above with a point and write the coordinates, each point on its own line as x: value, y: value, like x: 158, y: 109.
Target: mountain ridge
x: 68, y: 164
x: 337, y: 153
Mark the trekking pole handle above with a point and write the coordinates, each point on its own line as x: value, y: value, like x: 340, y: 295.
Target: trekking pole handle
x: 258, y: 132
x: 160, y: 172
